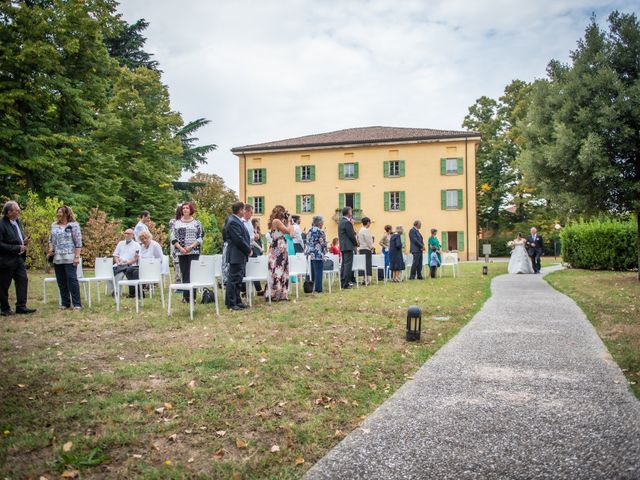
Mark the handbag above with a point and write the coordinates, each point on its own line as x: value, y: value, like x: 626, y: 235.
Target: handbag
x: 307, y: 286
x: 207, y: 296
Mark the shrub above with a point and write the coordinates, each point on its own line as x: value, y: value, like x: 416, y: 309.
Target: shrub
x: 99, y: 237
x: 37, y: 216
x: 212, y: 236
x: 601, y: 245
x: 160, y: 234
x: 499, y: 246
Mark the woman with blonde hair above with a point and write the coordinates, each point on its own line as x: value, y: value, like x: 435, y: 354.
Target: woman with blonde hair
x: 278, y: 258
x: 65, y: 245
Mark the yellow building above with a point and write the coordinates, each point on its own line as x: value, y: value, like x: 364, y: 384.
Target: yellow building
x: 391, y: 175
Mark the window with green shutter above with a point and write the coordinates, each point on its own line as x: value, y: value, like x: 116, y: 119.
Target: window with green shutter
x: 256, y: 176
x: 460, y: 199
x: 387, y: 201
x: 298, y: 203
x: 394, y: 168
x: 451, y: 166
x: 385, y: 168
x: 305, y: 173
x: 461, y: 241
x: 341, y: 171
x: 304, y: 203
x: 356, y: 201
x: 445, y: 241
x: 451, y: 199
x: 348, y: 171
x: 341, y: 200
x: 394, y: 201
x: 402, y: 201
x: 258, y: 204
x: 298, y: 173
x: 250, y: 176
x: 402, y: 168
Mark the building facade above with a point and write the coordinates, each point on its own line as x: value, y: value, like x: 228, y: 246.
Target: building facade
x: 391, y: 175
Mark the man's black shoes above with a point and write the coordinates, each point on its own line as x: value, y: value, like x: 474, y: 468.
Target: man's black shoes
x: 25, y: 311
x: 7, y: 313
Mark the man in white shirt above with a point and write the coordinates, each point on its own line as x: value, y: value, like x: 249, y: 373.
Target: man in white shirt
x: 298, y: 243
x: 141, y: 226
x: 125, y: 258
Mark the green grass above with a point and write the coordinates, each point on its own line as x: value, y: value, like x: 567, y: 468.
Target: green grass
x: 611, y: 301
x: 132, y: 392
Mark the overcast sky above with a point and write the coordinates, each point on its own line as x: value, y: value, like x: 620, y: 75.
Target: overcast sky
x: 274, y: 69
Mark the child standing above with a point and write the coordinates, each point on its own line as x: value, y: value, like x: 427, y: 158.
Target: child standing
x: 434, y: 262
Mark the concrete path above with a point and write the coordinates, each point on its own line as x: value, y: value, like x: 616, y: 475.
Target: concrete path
x: 526, y: 390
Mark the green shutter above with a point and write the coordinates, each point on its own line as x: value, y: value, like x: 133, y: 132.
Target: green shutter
x: 356, y: 201
x: 355, y: 170
x: 313, y: 172
x: 250, y: 176
x: 250, y: 202
x: 443, y: 199
x: 443, y: 166
x: 387, y: 201
x: 341, y: 200
x: 312, y: 202
x: 460, y: 198
x: 298, y: 203
x: 298, y: 173
x: 402, y: 201
x: 341, y: 171
x: 385, y: 168
x: 264, y: 175
x: 460, y: 166
x: 461, y: 241
x: 402, y: 168
x: 445, y: 241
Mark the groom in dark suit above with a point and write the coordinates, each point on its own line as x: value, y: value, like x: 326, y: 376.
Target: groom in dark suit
x: 535, y: 246
x: 348, y: 245
x: 238, y: 251
x: 416, y: 247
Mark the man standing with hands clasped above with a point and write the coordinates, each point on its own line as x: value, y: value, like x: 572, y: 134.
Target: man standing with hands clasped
x: 13, y: 252
x: 348, y: 245
x: 238, y: 251
x: 416, y: 247
x: 535, y: 245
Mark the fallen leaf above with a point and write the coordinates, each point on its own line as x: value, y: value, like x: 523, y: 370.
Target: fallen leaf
x: 192, y: 384
x: 190, y: 460
x: 173, y: 438
x: 67, y: 446
x: 307, y: 367
x: 137, y: 455
x: 159, y: 410
x: 188, y: 431
x: 241, y: 443
x: 262, y: 360
x: 70, y: 474
x: 168, y: 406
x: 236, y: 476
x: 299, y: 460
x: 275, y: 449
x: 43, y: 478
x: 221, y: 433
x: 219, y: 454
x: 21, y: 385
x: 366, y: 430
x: 338, y: 434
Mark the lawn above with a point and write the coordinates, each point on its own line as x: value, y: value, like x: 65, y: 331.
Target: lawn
x: 611, y: 301
x: 262, y: 393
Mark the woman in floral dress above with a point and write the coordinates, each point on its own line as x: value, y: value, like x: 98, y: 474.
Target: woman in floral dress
x: 278, y: 258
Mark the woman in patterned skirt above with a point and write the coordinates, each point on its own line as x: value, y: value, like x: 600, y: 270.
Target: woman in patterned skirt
x: 278, y: 258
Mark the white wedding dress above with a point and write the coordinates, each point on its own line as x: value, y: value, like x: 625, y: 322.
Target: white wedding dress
x: 520, y: 261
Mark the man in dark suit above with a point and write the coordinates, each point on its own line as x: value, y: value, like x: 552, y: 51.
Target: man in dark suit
x: 13, y: 253
x: 348, y: 245
x: 535, y: 246
x: 238, y: 250
x: 416, y: 247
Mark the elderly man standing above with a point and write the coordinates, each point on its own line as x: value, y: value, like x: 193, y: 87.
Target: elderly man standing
x: 13, y: 248
x: 125, y: 259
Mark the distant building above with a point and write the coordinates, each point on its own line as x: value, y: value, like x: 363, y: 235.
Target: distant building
x: 391, y: 175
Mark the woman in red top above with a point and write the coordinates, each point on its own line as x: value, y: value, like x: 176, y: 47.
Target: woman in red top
x: 335, y: 247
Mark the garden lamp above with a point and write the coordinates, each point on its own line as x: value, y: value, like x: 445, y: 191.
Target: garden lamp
x: 414, y: 323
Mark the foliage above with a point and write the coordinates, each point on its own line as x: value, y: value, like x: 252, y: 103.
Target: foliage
x: 37, y: 216
x: 193, y: 156
x: 607, y: 244
x: 214, y: 195
x: 126, y: 45
x: 212, y: 243
x: 498, y: 176
x: 159, y: 233
x: 99, y: 237
x: 581, y: 135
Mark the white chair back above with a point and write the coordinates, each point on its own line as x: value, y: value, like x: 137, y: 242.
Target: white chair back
x: 450, y: 258
x: 217, y: 265
x: 202, y: 270
x: 165, y: 265
x: 359, y: 262
x: 297, y: 265
x: 336, y: 261
x: 104, y: 267
x: 257, y: 267
x: 408, y: 260
x: 377, y: 260
x: 150, y: 269
x: 79, y: 271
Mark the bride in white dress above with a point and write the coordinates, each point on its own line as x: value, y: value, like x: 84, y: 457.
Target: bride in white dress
x: 520, y: 261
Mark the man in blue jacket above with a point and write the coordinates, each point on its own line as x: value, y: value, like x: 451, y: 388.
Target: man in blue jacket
x: 238, y: 251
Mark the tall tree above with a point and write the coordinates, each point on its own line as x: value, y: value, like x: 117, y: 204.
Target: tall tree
x: 127, y: 45
x: 582, y: 131
x: 498, y: 175
x: 193, y: 155
x: 213, y: 195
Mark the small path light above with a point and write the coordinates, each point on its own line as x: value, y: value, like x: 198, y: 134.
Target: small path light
x: 414, y: 323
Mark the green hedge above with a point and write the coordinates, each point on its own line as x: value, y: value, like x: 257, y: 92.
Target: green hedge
x: 499, y: 246
x: 601, y: 245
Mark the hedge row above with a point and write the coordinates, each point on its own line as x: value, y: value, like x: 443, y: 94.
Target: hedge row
x: 601, y: 245
x: 499, y: 246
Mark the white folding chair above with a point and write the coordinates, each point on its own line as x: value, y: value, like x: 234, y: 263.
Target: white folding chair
x: 256, y: 270
x: 202, y: 275
x: 377, y: 264
x: 166, y: 272
x: 103, y: 272
x: 359, y: 265
x: 297, y: 268
x: 425, y: 263
x: 449, y: 259
x: 79, y: 274
x: 149, y: 273
x: 334, y: 273
x: 408, y: 261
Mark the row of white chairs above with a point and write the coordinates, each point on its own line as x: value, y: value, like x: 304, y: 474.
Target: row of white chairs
x: 207, y: 271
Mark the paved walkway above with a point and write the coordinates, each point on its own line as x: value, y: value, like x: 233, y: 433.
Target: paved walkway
x: 526, y: 390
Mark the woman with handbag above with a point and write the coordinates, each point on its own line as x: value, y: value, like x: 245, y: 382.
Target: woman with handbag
x: 316, y: 250
x: 65, y: 244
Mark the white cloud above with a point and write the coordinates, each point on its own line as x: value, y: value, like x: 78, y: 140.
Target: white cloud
x: 275, y: 69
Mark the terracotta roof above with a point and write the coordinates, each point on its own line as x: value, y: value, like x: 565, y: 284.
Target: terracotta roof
x: 355, y: 136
